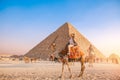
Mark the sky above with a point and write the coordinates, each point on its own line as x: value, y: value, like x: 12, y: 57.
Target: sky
x: 24, y: 23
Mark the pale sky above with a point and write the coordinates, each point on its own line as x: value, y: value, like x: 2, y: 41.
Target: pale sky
x: 24, y: 23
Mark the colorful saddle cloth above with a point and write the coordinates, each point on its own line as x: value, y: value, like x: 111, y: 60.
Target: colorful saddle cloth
x: 75, y: 52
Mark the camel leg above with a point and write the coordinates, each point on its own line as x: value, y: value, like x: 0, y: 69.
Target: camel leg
x: 69, y: 69
x: 62, y: 70
x: 90, y: 62
x: 82, y: 67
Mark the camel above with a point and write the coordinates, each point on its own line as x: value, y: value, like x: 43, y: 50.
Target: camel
x: 33, y: 60
x: 52, y: 57
x: 90, y: 60
x: 76, y: 55
x: 91, y: 57
x: 28, y: 60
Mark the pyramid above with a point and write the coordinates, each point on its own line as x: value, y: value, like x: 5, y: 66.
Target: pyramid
x: 114, y: 57
x: 61, y: 38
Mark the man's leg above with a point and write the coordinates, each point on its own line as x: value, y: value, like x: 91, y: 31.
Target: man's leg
x: 69, y: 49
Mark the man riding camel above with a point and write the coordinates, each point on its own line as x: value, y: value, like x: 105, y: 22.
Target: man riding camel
x: 72, y: 42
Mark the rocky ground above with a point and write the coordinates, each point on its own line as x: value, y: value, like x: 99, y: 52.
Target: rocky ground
x: 46, y: 70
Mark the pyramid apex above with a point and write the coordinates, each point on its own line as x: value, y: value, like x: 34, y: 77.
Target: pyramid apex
x: 67, y: 23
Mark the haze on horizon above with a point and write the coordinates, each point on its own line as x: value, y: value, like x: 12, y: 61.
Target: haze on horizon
x: 24, y: 23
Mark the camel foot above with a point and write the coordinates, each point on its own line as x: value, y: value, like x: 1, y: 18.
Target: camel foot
x: 70, y: 76
x: 61, y: 77
x: 80, y: 75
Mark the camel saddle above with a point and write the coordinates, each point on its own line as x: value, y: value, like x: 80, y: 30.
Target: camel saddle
x: 75, y: 52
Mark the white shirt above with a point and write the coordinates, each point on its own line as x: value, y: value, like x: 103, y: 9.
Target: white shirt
x: 71, y: 41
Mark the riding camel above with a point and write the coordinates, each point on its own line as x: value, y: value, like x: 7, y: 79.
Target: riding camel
x: 72, y: 52
x: 76, y: 55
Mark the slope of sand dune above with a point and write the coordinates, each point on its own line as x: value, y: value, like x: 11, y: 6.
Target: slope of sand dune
x: 46, y: 70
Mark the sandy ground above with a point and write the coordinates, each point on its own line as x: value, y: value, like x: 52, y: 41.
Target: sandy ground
x: 46, y: 70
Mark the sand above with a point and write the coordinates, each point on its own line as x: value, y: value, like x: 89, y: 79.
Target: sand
x: 47, y: 70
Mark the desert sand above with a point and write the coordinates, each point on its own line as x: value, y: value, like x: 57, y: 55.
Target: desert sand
x: 47, y: 70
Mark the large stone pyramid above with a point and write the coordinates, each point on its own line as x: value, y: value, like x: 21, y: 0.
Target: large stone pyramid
x: 61, y: 38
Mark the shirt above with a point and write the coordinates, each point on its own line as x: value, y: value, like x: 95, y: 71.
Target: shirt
x: 71, y: 41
